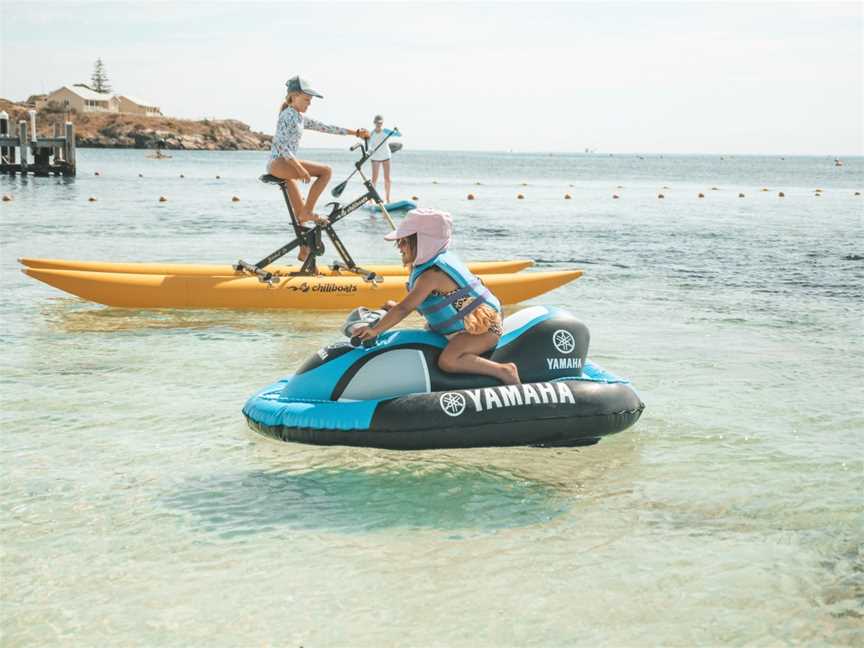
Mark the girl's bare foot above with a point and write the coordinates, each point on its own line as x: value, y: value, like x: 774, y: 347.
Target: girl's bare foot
x: 509, y: 374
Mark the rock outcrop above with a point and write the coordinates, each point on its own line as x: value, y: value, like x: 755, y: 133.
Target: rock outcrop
x: 121, y: 130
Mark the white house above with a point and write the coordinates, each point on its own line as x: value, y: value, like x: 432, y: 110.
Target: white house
x: 81, y: 98
x: 138, y: 106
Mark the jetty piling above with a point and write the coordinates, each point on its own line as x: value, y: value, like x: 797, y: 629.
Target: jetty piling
x: 50, y: 154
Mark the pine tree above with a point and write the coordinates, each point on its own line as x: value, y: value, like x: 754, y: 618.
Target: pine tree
x: 100, y: 77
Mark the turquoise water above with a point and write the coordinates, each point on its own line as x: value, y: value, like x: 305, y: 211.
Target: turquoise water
x: 138, y: 509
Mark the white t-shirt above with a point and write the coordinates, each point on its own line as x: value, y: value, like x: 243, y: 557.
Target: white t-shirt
x: 375, y: 138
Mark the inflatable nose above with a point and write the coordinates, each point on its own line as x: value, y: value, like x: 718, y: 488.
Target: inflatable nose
x: 361, y: 316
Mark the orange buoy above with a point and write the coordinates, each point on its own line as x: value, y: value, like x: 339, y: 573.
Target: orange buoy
x: 91, y: 199
x: 235, y: 198
x: 470, y: 196
x: 415, y: 198
x: 163, y: 199
x: 7, y: 198
x: 520, y: 196
x: 567, y: 196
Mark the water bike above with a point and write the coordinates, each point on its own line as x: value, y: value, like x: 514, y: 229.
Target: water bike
x: 311, y: 236
x: 332, y: 291
x: 391, y: 393
x: 341, y: 286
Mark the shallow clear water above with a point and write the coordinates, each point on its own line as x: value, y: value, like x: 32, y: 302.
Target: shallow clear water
x: 138, y: 509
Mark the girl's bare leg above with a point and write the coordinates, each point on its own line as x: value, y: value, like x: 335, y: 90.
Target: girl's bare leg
x: 386, y: 164
x: 322, y: 174
x: 284, y: 170
x: 461, y: 355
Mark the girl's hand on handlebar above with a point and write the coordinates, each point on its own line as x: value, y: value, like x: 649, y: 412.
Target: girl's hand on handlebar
x: 365, y: 333
x: 362, y: 133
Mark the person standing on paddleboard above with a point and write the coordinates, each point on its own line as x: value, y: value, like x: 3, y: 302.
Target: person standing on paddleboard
x: 381, y: 156
x: 285, y: 164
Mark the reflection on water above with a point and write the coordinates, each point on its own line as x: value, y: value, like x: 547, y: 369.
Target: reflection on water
x: 355, y: 500
x: 71, y: 315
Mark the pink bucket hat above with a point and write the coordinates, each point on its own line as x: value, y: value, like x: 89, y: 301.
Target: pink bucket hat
x: 433, y: 229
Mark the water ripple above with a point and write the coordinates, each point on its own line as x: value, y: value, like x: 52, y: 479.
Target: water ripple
x: 353, y: 500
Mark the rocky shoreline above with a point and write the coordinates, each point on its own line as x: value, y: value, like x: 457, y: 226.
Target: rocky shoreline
x: 121, y: 130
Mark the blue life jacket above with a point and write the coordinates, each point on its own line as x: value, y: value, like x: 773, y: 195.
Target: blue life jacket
x: 440, y: 312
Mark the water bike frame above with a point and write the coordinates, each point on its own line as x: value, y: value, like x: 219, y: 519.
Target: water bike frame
x: 311, y: 237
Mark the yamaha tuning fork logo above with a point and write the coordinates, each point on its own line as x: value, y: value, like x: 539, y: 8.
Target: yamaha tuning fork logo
x: 452, y: 403
x: 564, y: 341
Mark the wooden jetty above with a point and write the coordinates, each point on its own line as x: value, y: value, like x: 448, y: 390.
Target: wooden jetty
x: 41, y: 156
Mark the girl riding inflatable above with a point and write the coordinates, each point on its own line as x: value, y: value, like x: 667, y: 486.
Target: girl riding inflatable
x: 454, y: 301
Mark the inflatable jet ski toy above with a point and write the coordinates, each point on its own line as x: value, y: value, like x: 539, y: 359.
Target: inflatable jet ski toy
x: 391, y: 393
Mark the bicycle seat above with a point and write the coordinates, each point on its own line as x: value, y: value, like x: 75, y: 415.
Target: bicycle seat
x: 270, y: 179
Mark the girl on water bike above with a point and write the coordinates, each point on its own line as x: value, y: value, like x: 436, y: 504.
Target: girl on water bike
x: 454, y: 302
x: 284, y: 163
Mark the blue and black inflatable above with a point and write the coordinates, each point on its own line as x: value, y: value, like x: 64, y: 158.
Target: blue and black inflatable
x: 393, y: 395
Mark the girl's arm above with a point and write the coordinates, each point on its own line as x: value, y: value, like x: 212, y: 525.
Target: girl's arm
x: 425, y: 285
x: 314, y: 124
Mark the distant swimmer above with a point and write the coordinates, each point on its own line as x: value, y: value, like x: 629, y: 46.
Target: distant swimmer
x: 838, y: 162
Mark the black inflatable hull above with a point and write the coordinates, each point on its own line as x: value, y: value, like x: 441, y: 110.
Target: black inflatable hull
x: 561, y: 413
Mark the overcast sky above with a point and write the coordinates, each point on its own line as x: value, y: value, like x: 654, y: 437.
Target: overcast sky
x: 646, y: 77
